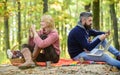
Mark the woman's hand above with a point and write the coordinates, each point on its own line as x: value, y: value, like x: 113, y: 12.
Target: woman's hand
x: 31, y: 33
x: 34, y: 30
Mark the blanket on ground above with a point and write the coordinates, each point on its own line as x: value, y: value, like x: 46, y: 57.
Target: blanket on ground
x: 64, y: 62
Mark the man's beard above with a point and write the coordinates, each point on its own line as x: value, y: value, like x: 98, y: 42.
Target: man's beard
x: 87, y: 27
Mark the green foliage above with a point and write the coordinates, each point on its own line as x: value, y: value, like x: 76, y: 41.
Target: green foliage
x: 2, y: 1
x: 86, y: 2
x: 3, y: 58
x: 1, y: 9
x: 64, y: 12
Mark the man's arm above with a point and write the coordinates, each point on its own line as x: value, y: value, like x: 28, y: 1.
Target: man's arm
x: 82, y: 38
x: 93, y: 32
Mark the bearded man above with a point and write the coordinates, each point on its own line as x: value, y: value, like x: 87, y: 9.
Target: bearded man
x: 79, y: 43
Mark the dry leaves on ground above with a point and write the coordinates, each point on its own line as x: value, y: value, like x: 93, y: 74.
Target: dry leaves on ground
x: 93, y: 69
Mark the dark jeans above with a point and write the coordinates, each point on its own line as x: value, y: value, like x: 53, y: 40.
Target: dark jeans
x: 48, y: 55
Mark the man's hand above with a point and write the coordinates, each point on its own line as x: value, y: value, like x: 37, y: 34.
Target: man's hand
x: 103, y: 36
x: 108, y: 32
x: 86, y: 50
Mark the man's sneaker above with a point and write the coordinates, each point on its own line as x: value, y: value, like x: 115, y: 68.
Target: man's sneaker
x: 118, y: 57
x: 9, y: 54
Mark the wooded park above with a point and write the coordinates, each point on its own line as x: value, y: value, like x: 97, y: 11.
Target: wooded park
x: 17, y: 16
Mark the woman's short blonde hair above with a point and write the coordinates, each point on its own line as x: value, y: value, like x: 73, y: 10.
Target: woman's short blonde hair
x: 49, y: 20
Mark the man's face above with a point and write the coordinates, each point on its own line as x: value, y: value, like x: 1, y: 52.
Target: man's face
x: 88, y: 23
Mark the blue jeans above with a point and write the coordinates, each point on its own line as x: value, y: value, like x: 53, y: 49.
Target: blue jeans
x: 106, y: 58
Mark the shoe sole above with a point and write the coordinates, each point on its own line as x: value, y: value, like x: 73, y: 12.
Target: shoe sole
x: 26, y: 67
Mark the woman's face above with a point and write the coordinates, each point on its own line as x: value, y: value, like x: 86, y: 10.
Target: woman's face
x: 43, y: 24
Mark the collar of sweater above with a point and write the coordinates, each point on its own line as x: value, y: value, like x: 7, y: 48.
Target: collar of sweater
x: 80, y: 25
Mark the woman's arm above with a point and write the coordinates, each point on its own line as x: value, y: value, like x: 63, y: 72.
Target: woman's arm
x: 30, y: 38
x: 52, y: 37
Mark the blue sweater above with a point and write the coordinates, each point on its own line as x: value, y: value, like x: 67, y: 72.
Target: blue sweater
x: 78, y: 40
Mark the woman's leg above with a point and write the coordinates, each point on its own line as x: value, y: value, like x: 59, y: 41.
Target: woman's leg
x: 35, y: 53
x: 38, y: 55
x: 48, y: 54
x: 104, y: 58
x: 28, y: 58
x: 51, y: 54
x: 40, y: 58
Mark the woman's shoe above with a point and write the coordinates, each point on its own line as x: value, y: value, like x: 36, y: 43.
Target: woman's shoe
x: 27, y: 65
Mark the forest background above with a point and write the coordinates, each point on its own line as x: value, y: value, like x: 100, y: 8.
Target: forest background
x: 16, y: 16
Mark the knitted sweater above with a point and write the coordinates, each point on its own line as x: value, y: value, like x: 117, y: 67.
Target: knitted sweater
x: 53, y: 38
x: 78, y: 40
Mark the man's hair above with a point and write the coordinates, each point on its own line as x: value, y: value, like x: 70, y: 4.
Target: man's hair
x: 85, y: 14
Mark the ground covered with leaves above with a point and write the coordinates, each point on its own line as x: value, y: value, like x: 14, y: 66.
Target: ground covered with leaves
x: 84, y: 69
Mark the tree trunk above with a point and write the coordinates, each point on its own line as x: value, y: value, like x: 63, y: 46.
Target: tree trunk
x: 101, y: 15
x: 87, y: 7
x: 6, y: 26
x: 96, y: 16
x: 45, y: 6
x: 115, y: 25
x: 25, y: 23
x: 19, y: 24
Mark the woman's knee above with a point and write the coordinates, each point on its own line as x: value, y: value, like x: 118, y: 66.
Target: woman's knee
x: 24, y: 50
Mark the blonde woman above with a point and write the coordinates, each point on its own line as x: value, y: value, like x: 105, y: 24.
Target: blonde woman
x: 43, y: 45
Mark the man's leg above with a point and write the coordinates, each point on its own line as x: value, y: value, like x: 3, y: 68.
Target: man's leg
x: 110, y: 49
x: 104, y: 58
